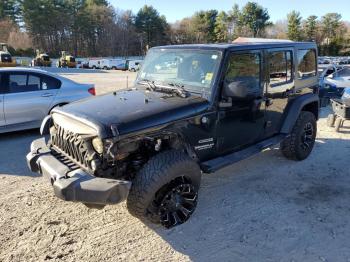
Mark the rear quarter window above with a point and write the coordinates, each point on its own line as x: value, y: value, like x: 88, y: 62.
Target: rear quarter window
x: 307, y: 63
x: 49, y: 82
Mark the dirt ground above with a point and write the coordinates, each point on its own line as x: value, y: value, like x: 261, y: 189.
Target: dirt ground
x: 265, y: 208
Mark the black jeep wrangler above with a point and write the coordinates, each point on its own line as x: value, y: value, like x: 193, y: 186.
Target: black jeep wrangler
x: 194, y: 109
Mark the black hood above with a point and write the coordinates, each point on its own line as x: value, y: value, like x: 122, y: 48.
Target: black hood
x: 133, y: 110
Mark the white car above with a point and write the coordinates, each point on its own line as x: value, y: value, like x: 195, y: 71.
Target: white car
x: 94, y: 64
x: 334, y: 75
x: 108, y: 64
x: 135, y: 65
x: 27, y: 95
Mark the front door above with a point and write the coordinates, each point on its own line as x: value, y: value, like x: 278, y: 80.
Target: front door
x: 280, y: 86
x: 26, y: 102
x: 241, y: 122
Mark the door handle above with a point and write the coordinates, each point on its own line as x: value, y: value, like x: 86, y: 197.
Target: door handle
x: 47, y: 95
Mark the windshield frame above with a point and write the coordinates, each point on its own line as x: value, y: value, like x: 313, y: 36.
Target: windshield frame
x: 190, y: 88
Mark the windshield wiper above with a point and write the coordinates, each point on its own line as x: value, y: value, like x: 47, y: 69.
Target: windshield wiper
x: 169, y: 87
x: 179, y: 89
x: 150, y: 84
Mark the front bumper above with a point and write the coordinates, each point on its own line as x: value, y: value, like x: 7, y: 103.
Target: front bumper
x: 76, y: 185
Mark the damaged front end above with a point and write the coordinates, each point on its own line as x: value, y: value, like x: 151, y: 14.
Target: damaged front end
x: 71, y: 163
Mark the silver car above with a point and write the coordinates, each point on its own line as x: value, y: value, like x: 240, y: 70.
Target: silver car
x: 28, y: 95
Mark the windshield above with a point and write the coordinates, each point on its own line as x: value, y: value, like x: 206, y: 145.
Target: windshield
x: 195, y: 70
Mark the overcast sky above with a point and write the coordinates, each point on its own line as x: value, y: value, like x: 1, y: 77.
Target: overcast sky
x: 278, y: 9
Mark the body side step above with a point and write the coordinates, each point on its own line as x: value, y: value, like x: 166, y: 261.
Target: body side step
x: 215, y: 164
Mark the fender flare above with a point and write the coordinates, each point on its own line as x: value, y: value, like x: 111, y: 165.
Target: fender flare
x: 294, y: 109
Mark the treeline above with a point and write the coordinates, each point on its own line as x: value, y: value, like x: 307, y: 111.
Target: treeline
x: 95, y: 28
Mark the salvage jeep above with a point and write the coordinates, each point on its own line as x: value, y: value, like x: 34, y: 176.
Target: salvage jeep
x: 193, y: 109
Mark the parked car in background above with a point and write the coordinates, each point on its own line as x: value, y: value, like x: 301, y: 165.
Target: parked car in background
x: 122, y: 64
x: 332, y: 80
x: 27, y: 95
x: 108, y: 64
x: 82, y: 64
x: 94, y: 63
x: 135, y: 65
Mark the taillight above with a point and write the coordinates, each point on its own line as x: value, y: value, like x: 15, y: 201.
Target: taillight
x: 92, y: 91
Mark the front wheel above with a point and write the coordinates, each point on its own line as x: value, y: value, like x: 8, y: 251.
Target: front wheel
x: 165, y: 191
x: 300, y: 142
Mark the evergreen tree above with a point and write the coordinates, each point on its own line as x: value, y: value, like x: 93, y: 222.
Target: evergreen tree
x: 310, y: 28
x: 255, y: 18
x: 151, y: 26
x: 221, y: 27
x: 294, y: 26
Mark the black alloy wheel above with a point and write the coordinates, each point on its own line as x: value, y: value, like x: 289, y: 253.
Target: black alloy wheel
x: 179, y: 200
x: 307, y: 136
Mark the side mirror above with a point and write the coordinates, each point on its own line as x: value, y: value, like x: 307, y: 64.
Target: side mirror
x: 235, y: 89
x: 331, y: 76
x: 245, y: 88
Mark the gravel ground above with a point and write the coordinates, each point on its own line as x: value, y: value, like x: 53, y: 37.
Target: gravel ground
x: 265, y: 208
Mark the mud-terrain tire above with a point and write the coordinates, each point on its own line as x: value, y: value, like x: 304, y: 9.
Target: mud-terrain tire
x: 300, y: 142
x: 338, y: 123
x: 165, y: 185
x: 330, y: 120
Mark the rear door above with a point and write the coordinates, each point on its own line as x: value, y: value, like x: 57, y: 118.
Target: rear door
x: 280, y: 86
x: 28, y: 99
x: 2, y: 90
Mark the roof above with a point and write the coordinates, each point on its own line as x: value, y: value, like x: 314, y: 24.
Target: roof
x: 242, y: 43
x: 260, y: 40
x: 27, y: 69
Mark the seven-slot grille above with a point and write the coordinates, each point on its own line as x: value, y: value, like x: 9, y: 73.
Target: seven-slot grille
x: 70, y: 145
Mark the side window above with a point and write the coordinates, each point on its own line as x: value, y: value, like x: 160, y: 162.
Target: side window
x: 244, y: 70
x: 50, y: 83
x: 329, y: 72
x: 33, y: 83
x: 307, y: 63
x: 17, y: 83
x: 280, y: 67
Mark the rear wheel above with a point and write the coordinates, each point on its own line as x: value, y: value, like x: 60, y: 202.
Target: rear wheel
x: 165, y: 191
x: 299, y: 144
x: 330, y: 120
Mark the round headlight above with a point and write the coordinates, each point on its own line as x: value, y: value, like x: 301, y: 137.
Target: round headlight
x: 97, y: 145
